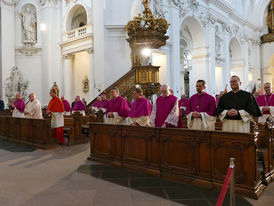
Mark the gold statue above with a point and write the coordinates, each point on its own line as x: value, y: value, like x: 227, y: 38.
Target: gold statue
x: 86, y: 84
x: 56, y: 87
x: 270, y: 17
x: 146, y: 3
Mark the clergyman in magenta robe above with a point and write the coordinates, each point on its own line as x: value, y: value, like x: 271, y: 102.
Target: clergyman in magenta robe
x: 104, y: 103
x: 166, y: 112
x: 200, y: 109
x: 183, y: 102
x: 118, y: 108
x: 18, y: 107
x: 97, y: 104
x: 79, y: 106
x: 140, y: 109
x: 266, y: 103
x: 66, y: 105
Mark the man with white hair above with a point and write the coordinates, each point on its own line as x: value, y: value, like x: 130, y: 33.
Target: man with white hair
x: 165, y: 112
x: 237, y: 108
x: 33, y: 108
x: 18, y: 106
x: 266, y: 103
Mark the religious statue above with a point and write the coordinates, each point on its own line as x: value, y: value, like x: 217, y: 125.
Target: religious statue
x: 86, y: 84
x: 55, y: 86
x: 15, y: 84
x: 270, y: 17
x: 29, y: 23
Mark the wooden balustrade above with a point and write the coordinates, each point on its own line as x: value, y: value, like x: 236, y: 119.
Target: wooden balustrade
x: 198, y: 157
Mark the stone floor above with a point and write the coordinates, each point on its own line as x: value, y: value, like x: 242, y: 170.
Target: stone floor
x: 63, y: 177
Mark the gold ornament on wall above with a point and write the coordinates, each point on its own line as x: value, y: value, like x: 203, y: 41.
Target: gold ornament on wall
x: 85, y: 83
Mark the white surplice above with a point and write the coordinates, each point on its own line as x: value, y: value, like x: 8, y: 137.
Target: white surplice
x: 34, y: 110
x: 57, y: 119
x: 242, y: 125
x: 206, y: 122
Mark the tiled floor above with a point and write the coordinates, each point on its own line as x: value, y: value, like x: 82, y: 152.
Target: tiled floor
x: 63, y: 177
x: 139, y: 184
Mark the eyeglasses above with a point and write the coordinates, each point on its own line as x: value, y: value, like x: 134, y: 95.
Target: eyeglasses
x: 235, y: 81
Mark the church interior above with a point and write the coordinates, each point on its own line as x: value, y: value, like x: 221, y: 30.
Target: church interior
x: 136, y: 102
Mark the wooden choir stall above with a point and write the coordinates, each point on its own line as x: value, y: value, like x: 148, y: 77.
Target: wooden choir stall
x: 38, y: 132
x: 198, y: 157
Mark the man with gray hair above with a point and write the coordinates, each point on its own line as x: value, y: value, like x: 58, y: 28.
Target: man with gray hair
x: 33, y: 108
x: 118, y: 108
x: 165, y: 112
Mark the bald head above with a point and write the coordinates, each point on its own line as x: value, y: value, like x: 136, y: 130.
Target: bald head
x: 164, y: 89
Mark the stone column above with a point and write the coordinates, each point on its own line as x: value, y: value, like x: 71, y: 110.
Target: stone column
x: 227, y: 66
x: 175, y: 74
x: 68, y: 78
x: 99, y: 45
x: 92, y: 82
x: 211, y: 58
x: 245, y: 63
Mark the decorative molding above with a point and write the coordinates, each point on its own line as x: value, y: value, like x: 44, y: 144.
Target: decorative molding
x: 90, y: 50
x: 10, y: 2
x: 68, y: 56
x: 184, y: 6
x: 29, y: 50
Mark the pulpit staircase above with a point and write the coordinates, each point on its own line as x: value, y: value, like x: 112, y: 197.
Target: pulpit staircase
x: 146, y: 77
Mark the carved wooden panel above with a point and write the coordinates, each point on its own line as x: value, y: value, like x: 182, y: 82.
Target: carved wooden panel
x: 139, y: 146
x: 179, y: 151
x: 105, y: 141
x: 242, y: 148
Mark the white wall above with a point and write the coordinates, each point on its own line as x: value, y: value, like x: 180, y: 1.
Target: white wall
x: 8, y: 43
x: 80, y: 70
x: 160, y: 59
x: 31, y: 69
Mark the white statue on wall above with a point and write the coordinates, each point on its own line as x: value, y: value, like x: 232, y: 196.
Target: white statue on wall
x: 14, y: 84
x: 29, y: 23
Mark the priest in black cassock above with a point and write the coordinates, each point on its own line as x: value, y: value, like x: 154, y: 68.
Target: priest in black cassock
x: 237, y: 108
